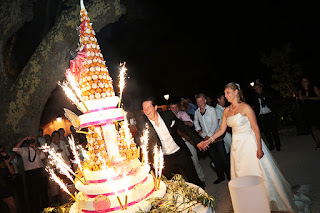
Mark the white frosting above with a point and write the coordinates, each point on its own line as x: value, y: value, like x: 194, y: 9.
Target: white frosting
x: 106, y: 102
x: 138, y: 176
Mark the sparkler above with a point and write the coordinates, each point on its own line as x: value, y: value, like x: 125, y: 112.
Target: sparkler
x: 70, y: 94
x: 144, y: 144
x: 158, y: 164
x: 56, y: 160
x: 62, y: 185
x: 74, y: 152
x: 122, y: 82
x: 72, y: 82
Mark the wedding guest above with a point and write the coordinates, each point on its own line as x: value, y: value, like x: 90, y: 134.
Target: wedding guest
x: 41, y: 139
x: 249, y: 154
x: 183, y: 116
x: 309, y: 95
x: 60, y: 147
x: 163, y: 131
x: 61, y: 135
x: 6, y: 171
x: 48, y: 139
x: 191, y: 108
x: 36, y: 179
x: 206, y: 124
x: 267, y: 119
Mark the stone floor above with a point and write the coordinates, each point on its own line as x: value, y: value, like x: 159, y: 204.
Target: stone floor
x: 298, y: 161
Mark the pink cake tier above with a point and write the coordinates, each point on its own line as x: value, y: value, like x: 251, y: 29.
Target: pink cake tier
x: 100, y: 194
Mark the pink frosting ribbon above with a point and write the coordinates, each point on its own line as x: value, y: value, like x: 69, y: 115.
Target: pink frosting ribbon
x: 101, y: 109
x: 104, y: 121
x: 119, y: 207
x: 120, y: 191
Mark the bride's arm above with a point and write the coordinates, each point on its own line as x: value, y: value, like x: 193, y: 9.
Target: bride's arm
x: 254, y: 125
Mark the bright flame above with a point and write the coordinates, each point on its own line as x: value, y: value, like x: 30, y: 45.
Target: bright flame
x: 57, y: 161
x: 59, y: 119
x: 128, y: 135
x: 56, y: 179
x: 122, y: 77
x: 166, y: 96
x: 144, y: 144
x: 156, y: 160
x: 252, y: 84
x: 70, y: 94
x: 74, y: 152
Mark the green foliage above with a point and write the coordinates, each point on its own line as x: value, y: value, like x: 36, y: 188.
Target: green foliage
x: 180, y: 197
x: 285, y: 71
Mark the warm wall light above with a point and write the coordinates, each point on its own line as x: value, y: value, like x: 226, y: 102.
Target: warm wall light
x: 252, y: 84
x: 59, y: 119
x: 166, y: 96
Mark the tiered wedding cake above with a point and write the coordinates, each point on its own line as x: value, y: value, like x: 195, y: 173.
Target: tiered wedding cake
x: 113, y: 177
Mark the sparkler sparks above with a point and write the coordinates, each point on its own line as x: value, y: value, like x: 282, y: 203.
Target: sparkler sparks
x: 144, y: 144
x: 158, y: 164
x: 70, y: 94
x: 74, y: 152
x: 62, y: 185
x: 122, y: 82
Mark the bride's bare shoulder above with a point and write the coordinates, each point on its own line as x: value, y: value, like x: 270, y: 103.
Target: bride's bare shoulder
x: 246, y: 106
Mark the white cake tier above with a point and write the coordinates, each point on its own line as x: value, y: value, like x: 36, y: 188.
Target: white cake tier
x: 100, y: 116
x: 102, y: 103
x: 107, y: 182
x: 136, y: 198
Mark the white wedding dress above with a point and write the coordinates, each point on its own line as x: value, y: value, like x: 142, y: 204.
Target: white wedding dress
x: 244, y: 161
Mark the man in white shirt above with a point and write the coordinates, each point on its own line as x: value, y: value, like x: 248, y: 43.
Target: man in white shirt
x: 264, y: 109
x: 36, y: 180
x: 163, y: 131
x: 206, y: 124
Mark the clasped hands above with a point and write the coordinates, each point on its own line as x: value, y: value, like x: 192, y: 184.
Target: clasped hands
x: 204, y: 145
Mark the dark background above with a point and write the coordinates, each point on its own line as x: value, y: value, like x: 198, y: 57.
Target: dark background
x: 182, y: 48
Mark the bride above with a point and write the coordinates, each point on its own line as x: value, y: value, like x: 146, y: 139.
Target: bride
x: 249, y: 155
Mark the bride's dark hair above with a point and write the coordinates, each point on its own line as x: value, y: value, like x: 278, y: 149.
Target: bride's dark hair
x: 235, y: 86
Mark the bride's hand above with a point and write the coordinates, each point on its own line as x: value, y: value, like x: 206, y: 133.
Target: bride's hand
x: 259, y: 154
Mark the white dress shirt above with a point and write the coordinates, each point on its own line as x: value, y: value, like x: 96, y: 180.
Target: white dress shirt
x: 168, y: 145
x: 24, y: 153
x: 207, y: 123
x: 263, y: 110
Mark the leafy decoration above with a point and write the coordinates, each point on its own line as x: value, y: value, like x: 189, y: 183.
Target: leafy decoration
x: 180, y: 197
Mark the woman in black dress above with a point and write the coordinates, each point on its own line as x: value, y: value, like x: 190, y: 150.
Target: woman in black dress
x: 310, y: 98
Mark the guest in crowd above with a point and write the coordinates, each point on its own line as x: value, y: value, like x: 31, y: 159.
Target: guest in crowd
x: 41, y: 139
x: 267, y: 119
x: 6, y: 171
x: 61, y: 135
x: 36, y: 179
x: 60, y: 147
x: 191, y: 108
x: 206, y: 124
x: 163, y: 131
x: 48, y: 139
x: 309, y: 95
x: 220, y: 106
x: 183, y: 116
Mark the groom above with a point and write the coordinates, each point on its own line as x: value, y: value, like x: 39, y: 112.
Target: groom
x: 163, y: 131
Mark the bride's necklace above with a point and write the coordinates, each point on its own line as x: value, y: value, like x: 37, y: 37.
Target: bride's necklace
x: 232, y: 110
